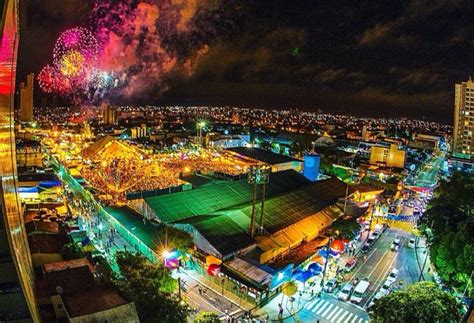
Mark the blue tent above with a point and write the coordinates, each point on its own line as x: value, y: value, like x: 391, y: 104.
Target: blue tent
x: 49, y: 184
x: 301, y: 275
x: 315, y: 268
x: 29, y: 189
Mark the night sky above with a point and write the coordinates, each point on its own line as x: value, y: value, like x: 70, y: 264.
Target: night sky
x: 374, y: 58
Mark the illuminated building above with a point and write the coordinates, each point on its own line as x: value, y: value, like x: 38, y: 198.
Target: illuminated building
x: 463, y: 143
x: 17, y: 297
x: 390, y: 156
x: 109, y: 115
x: 26, y: 99
x: 138, y: 132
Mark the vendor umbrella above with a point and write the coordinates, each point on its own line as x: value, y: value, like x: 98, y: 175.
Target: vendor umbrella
x: 315, y: 268
x: 301, y: 275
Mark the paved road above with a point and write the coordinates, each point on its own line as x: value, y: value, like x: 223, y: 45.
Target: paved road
x: 427, y: 176
x: 381, y: 259
x: 329, y: 309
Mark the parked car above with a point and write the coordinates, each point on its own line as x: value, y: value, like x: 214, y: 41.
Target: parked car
x: 346, y: 292
x: 331, y: 285
x: 393, y: 275
x: 396, y: 244
x: 365, y: 248
x: 411, y: 243
x: 377, y: 296
x: 386, y: 287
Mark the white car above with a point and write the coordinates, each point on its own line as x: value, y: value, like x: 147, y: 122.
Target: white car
x: 411, y: 243
x: 396, y: 244
x: 377, y: 296
x: 374, y: 235
x: 393, y: 275
x: 386, y: 287
x: 346, y: 292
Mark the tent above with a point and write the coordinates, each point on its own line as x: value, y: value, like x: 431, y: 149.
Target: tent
x: 301, y: 275
x: 315, y: 268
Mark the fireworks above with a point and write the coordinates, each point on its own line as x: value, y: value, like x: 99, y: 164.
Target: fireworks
x: 51, y: 81
x: 73, y: 73
x: 78, y: 40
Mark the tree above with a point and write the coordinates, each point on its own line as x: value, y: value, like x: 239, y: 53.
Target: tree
x: 178, y: 239
x: 450, y: 219
x: 420, y: 302
x: 347, y: 228
x: 72, y: 250
x: 207, y: 317
x: 151, y: 288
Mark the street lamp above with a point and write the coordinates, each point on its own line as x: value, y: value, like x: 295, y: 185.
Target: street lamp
x: 200, y: 125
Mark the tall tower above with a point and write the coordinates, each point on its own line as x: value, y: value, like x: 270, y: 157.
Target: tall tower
x: 463, y: 132
x: 17, y: 299
x: 26, y: 99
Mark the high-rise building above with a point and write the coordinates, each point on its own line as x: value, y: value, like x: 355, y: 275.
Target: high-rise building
x: 26, y: 99
x: 17, y: 297
x: 109, y: 114
x: 463, y: 143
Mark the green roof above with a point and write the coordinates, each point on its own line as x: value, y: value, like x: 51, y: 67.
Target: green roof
x: 226, y: 229
x: 224, y: 232
x: 206, y: 200
x: 148, y: 233
x: 286, y: 209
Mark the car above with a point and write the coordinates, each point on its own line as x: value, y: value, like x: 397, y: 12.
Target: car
x: 411, y: 243
x: 365, y: 248
x: 351, y: 263
x: 386, y: 287
x: 370, y: 241
x: 377, y: 296
x: 359, y: 291
x: 393, y: 275
x: 346, y: 292
x: 375, y: 235
x: 331, y: 285
x: 396, y: 244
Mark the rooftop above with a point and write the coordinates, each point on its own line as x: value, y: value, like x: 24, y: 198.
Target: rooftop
x: 148, y: 233
x: 92, y: 301
x: 226, y: 230
x: 69, y: 281
x: 206, y: 200
x: 262, y: 155
x: 46, y: 243
x: 67, y: 264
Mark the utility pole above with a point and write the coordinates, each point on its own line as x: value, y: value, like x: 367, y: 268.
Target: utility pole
x: 262, y: 207
x: 328, y: 246
x: 252, y: 216
x: 258, y: 175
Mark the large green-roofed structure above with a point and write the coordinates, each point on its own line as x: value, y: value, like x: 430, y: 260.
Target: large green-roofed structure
x: 226, y: 229
x: 206, y: 200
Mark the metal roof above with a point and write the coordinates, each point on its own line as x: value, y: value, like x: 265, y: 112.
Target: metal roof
x: 206, y: 200
x: 262, y: 155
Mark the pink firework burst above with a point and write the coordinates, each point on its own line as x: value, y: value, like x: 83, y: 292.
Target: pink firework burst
x: 77, y: 39
x: 51, y: 81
